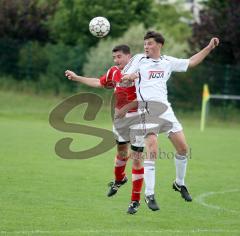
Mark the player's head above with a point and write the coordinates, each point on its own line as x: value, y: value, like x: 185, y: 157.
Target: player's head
x: 121, y: 55
x: 153, y: 42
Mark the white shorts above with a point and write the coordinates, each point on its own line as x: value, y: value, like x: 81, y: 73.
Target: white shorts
x: 166, y: 122
x: 135, y: 126
x: 129, y: 129
x: 170, y: 116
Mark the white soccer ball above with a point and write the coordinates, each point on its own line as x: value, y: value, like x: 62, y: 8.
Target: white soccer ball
x: 99, y: 26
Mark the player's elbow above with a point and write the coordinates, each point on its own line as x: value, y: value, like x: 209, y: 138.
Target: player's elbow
x: 98, y: 84
x: 192, y: 62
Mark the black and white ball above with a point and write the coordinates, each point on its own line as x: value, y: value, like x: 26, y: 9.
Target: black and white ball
x: 99, y: 26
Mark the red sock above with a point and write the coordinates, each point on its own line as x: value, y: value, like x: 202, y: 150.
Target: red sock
x: 137, y: 182
x: 120, y: 164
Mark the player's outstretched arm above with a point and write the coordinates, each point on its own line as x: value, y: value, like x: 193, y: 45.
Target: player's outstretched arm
x: 199, y: 57
x: 92, y: 82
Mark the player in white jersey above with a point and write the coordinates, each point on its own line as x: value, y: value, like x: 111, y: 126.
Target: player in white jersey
x: 151, y: 72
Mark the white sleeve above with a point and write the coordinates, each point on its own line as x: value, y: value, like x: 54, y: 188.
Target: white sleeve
x: 178, y: 65
x: 133, y: 64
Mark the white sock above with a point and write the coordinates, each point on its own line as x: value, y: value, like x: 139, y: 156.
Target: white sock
x: 149, y: 177
x: 181, y: 166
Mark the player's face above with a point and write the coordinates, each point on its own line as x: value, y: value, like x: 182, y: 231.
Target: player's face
x: 152, y: 48
x: 120, y: 59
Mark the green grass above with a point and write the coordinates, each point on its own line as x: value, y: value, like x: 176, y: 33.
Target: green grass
x: 42, y: 194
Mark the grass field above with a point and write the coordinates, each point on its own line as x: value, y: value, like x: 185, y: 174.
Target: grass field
x: 42, y: 194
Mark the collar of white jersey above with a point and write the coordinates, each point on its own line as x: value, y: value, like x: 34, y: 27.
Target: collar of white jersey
x: 156, y: 60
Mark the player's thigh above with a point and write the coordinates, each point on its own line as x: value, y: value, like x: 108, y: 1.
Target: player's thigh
x: 121, y: 134
x: 179, y: 142
x: 151, y: 140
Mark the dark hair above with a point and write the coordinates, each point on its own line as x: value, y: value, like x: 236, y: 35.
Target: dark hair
x: 123, y: 48
x: 156, y: 36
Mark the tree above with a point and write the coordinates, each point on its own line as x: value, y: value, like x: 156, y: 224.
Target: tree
x: 26, y: 19
x: 219, y: 18
x: 20, y: 22
x: 168, y: 19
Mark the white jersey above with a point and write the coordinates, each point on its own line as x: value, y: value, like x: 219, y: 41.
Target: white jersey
x: 153, y: 75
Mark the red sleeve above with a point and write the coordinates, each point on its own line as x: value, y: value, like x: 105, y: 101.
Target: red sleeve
x: 107, y: 80
x: 103, y: 80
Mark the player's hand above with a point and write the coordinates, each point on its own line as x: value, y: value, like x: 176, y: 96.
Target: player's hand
x: 120, y: 113
x: 126, y: 78
x: 213, y: 43
x: 70, y: 75
x: 130, y: 77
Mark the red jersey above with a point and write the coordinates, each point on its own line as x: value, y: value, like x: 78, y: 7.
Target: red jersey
x: 124, y: 94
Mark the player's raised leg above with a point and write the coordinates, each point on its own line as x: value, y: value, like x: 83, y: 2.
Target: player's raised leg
x: 179, y: 142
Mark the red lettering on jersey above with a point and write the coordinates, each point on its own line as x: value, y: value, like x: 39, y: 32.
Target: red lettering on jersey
x: 156, y: 74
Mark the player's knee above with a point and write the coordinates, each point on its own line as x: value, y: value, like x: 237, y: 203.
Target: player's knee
x: 182, y: 150
x: 122, y: 150
x: 137, y: 164
x: 123, y: 153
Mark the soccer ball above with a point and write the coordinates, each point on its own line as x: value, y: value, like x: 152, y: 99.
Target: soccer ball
x: 99, y: 26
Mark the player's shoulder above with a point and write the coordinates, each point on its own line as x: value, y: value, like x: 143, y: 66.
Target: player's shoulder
x: 168, y: 58
x: 135, y: 60
x: 138, y: 57
x: 113, y: 73
x: 172, y: 59
x: 113, y: 68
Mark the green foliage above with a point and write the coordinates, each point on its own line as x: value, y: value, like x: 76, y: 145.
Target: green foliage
x: 46, y: 65
x: 21, y: 22
x: 70, y: 23
x: 25, y: 20
x: 60, y: 57
x: 9, y: 56
x: 168, y: 20
x: 32, y: 61
x: 174, y: 48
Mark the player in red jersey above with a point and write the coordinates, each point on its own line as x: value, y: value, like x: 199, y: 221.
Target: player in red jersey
x: 124, y: 94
